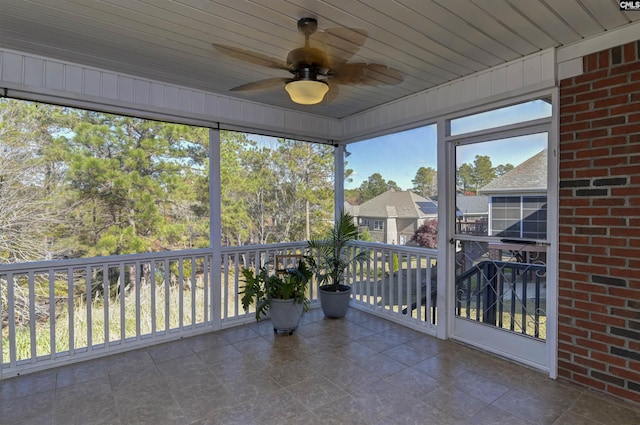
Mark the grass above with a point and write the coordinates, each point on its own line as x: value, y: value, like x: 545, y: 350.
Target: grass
x: 173, y: 309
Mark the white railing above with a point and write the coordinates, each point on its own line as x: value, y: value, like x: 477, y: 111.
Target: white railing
x: 56, y: 312
x: 398, y: 282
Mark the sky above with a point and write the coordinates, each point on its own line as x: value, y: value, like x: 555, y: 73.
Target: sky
x: 398, y: 156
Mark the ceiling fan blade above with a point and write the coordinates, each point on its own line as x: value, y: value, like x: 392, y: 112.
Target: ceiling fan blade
x: 366, y: 74
x: 340, y: 44
x: 333, y: 93
x: 251, y: 57
x: 261, y: 84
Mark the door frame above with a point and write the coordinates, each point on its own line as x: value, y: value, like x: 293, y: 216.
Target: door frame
x: 448, y: 326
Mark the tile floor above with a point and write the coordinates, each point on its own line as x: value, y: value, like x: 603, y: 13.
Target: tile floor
x: 358, y: 370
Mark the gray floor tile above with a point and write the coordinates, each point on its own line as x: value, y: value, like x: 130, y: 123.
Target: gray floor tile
x: 357, y: 370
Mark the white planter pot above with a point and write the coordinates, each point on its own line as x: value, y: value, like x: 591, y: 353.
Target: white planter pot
x: 285, y: 315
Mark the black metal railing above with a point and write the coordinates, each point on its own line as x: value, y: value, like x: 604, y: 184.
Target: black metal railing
x: 508, y: 295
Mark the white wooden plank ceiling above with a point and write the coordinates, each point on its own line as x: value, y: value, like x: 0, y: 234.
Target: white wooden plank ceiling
x: 429, y: 41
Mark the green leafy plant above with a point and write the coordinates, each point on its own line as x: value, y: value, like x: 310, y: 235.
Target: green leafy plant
x: 330, y: 257
x: 261, y: 286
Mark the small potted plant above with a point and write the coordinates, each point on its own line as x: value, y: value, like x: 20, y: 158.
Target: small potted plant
x: 329, y: 259
x: 281, y: 294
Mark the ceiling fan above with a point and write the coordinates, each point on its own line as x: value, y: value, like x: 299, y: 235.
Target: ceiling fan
x: 317, y: 70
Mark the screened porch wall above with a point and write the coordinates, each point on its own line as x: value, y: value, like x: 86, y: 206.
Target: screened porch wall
x: 32, y: 77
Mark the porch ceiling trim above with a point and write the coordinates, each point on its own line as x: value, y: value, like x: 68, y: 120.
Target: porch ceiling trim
x: 39, y: 78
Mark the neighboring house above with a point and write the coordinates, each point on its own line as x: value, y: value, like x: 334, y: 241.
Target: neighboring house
x: 472, y: 214
x: 518, y: 200
x: 393, y: 217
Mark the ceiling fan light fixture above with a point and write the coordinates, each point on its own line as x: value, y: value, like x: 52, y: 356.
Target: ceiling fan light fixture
x: 306, y: 91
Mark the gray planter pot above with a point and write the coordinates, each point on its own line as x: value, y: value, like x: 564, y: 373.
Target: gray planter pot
x: 285, y: 315
x: 335, y: 304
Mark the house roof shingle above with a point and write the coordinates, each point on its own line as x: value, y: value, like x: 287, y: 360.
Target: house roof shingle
x: 402, y: 204
x: 530, y: 176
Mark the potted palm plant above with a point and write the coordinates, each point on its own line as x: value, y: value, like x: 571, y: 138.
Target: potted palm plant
x: 282, y: 295
x: 329, y: 258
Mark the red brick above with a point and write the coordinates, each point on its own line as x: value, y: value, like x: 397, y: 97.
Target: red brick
x: 625, y: 69
x: 593, y: 345
x: 610, y: 161
x: 591, y: 211
x: 591, y: 326
x: 592, y: 134
x: 623, y: 273
x: 626, y: 129
x: 572, y: 367
x: 603, y: 59
x: 629, y: 52
x: 608, y: 339
x: 609, y: 221
x: 590, y: 249
x: 624, y: 293
x: 590, y: 382
x: 611, y: 81
x: 609, y: 241
x: 609, y: 141
x: 567, y: 82
x: 627, y: 252
x: 570, y: 330
x: 578, y: 107
x: 590, y: 153
x: 626, y: 212
x: 578, y: 314
x: 634, y: 264
x: 591, y: 288
x: 627, y: 231
x: 574, y: 202
x: 611, y: 101
x: 608, y: 122
x: 565, y: 128
x: 591, y: 307
x: 576, y: 145
x: 612, y: 202
x: 625, y: 108
x: 592, y: 114
x: 578, y: 163
x: 607, y: 319
x: 626, y: 149
x: 624, y: 171
x: 570, y: 90
x: 590, y: 76
x: 592, y: 172
x: 629, y: 314
x: 627, y: 394
x: 571, y: 348
x: 574, y: 239
x: 574, y: 295
x: 625, y: 191
x: 608, y: 358
x: 626, y: 89
x: 609, y: 261
x: 590, y: 363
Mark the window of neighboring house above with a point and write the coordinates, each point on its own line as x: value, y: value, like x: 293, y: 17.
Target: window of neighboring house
x: 364, y: 222
x: 378, y: 225
x: 519, y: 217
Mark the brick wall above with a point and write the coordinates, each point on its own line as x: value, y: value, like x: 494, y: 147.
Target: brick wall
x: 599, y: 282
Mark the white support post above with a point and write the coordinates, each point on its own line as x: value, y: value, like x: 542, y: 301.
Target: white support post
x: 215, y: 228
x: 338, y: 167
x: 446, y: 207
